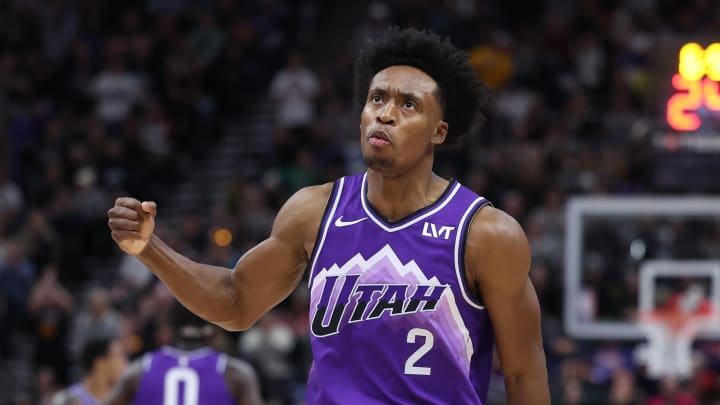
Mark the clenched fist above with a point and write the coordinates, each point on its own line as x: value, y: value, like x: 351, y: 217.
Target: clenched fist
x: 132, y: 223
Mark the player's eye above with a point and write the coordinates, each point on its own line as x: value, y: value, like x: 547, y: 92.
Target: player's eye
x: 410, y: 105
x: 375, y: 99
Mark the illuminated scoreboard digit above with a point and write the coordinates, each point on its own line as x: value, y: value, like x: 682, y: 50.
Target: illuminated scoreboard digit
x: 697, y: 82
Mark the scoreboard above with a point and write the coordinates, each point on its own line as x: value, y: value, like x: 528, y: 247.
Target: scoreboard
x: 696, y: 83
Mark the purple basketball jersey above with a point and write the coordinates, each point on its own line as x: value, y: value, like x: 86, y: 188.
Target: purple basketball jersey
x: 391, y: 317
x: 177, y: 377
x: 80, y: 393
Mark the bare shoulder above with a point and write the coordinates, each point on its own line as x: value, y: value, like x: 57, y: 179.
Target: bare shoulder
x: 299, y: 218
x: 243, y: 382
x: 494, y: 238
x: 240, y: 371
x: 495, y: 227
x: 308, y: 201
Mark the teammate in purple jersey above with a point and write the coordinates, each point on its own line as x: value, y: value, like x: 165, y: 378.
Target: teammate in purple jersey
x: 413, y: 278
x: 103, y: 361
x: 189, y: 373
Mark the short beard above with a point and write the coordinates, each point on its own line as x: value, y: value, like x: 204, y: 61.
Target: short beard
x: 378, y: 164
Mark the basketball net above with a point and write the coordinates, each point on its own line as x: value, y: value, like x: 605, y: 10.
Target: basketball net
x: 671, y: 332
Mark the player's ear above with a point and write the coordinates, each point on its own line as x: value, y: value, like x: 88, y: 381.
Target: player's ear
x: 440, y: 134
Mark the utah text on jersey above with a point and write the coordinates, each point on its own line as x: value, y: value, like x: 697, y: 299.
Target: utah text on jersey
x: 344, y: 299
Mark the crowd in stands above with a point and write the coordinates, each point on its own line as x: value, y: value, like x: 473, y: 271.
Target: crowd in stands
x: 100, y: 99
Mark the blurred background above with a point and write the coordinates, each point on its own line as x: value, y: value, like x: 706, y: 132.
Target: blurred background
x: 219, y: 110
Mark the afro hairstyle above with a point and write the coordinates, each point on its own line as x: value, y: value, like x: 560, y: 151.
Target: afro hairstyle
x: 462, y: 93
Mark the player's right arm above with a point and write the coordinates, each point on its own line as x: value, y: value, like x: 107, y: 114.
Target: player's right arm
x: 243, y: 383
x: 233, y: 299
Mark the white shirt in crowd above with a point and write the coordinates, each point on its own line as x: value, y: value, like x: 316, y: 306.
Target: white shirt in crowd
x: 116, y: 92
x: 294, y: 91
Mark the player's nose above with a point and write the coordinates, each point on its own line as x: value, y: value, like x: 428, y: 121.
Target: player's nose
x: 387, y: 115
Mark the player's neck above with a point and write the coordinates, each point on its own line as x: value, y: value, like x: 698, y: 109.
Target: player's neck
x: 395, y: 198
x: 97, y: 386
x: 190, y: 345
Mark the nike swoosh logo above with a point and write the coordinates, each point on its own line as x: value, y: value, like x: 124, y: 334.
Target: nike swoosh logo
x: 340, y: 223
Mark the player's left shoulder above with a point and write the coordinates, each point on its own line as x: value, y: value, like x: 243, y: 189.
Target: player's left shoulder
x: 243, y: 382
x: 239, y: 370
x: 496, y: 239
x: 494, y: 228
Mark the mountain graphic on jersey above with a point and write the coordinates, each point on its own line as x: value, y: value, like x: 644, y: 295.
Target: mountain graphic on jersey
x: 383, y: 289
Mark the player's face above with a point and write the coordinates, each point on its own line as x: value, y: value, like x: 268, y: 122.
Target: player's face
x: 116, y: 361
x: 401, y: 120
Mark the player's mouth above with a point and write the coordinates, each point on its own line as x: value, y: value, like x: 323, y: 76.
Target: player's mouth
x: 379, y: 138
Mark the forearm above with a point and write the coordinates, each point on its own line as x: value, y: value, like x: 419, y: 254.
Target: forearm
x: 204, y: 289
x: 528, y: 390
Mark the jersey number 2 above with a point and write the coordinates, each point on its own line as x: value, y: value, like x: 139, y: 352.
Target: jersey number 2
x: 410, y: 367
x: 189, y: 378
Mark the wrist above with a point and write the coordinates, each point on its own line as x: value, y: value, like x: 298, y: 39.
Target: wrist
x: 147, y: 249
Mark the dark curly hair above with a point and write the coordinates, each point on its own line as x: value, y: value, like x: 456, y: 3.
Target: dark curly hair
x: 461, y: 91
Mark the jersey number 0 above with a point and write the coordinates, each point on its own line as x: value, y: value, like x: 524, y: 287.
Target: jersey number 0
x: 189, y: 378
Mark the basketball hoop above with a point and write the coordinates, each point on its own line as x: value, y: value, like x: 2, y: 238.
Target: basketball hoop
x: 670, y: 333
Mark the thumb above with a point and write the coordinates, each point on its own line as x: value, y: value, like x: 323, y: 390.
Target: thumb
x: 150, y: 207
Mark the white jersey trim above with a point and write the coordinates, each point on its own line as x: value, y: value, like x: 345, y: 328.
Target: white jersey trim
x: 147, y: 361
x: 221, y: 364
x: 190, y: 354
x: 458, y: 251
x: 413, y: 221
x: 328, y: 222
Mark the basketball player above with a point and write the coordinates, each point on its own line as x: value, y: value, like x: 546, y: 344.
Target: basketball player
x: 189, y: 371
x: 412, y: 277
x: 103, y: 361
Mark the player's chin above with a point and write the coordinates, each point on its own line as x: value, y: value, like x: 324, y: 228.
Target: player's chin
x: 378, y: 163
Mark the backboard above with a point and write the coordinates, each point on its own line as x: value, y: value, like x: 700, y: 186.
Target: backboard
x: 621, y: 254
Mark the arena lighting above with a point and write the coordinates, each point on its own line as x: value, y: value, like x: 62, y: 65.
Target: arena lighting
x: 222, y: 237
x: 697, y: 84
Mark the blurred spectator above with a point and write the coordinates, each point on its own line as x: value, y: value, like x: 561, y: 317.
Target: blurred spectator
x: 623, y: 390
x: 294, y: 89
x: 96, y: 319
x: 133, y: 276
x: 46, y: 385
x: 116, y: 89
x: 608, y: 360
x: 51, y: 306
x: 673, y: 392
x: 17, y: 274
x: 11, y: 200
x: 41, y: 241
x: 90, y: 200
x: 206, y: 40
x: 267, y: 346
x: 574, y: 386
x: 255, y: 217
x: 103, y: 362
